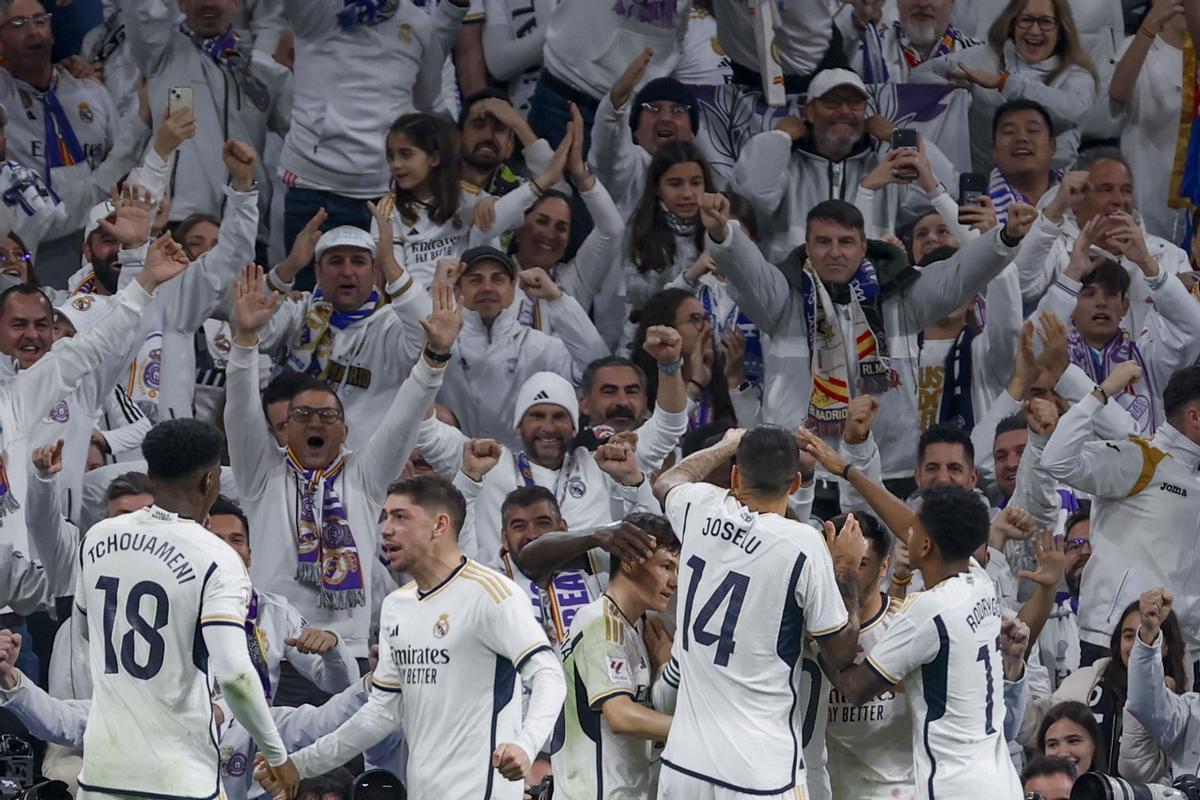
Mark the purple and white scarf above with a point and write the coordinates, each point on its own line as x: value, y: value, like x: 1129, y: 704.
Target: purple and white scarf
x: 1138, y: 399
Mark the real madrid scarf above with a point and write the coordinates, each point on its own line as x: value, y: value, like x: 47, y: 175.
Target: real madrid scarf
x: 62, y: 145
x: 1137, y: 399
x: 8, y: 501
x: 229, y: 50
x: 327, y: 554
x: 366, y: 12
x: 831, y: 386
x: 565, y: 484
x: 313, y: 345
x: 875, y: 68
x: 1004, y: 194
x: 256, y: 643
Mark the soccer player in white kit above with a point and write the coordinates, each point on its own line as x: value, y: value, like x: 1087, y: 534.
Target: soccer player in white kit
x: 752, y: 585
x: 164, y: 606
x: 944, y: 644
x: 452, y: 643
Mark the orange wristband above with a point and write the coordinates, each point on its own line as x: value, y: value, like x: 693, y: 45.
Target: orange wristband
x: 1003, y: 81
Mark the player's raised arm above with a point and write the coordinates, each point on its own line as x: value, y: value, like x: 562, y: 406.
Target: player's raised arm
x: 696, y: 467
x: 891, y: 509
x: 847, y: 548
x: 550, y: 552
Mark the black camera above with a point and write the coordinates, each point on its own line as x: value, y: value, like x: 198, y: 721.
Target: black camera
x: 1094, y: 786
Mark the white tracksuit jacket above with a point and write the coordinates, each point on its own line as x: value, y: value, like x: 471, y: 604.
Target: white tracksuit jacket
x: 1145, y: 518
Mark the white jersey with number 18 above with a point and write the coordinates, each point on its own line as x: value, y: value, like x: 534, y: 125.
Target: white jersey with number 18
x: 944, y: 644
x: 147, y: 583
x: 751, y: 586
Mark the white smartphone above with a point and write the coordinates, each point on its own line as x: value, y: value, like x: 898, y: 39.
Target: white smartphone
x: 179, y: 97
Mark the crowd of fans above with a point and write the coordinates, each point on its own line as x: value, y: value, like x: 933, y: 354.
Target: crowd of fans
x: 523, y: 257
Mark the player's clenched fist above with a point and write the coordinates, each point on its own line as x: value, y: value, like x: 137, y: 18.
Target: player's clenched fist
x: 512, y: 761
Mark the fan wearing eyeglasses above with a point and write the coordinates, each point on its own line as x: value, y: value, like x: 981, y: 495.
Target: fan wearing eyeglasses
x: 1033, y: 52
x: 827, y: 154
x: 315, y: 502
x: 626, y: 135
x: 68, y: 127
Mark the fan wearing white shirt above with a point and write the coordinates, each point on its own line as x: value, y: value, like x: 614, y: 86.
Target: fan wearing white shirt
x: 945, y: 644
x: 167, y: 605
x: 452, y: 643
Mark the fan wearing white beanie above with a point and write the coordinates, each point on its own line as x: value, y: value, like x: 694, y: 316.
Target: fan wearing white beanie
x: 593, y: 489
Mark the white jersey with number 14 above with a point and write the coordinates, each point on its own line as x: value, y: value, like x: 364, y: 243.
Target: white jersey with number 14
x: 750, y: 587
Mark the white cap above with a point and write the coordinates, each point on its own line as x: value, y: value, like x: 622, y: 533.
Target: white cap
x: 546, y: 387
x: 102, y: 210
x: 345, y: 236
x: 82, y: 311
x: 829, y: 79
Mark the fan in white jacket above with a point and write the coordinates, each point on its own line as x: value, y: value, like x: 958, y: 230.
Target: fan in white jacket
x: 316, y: 503
x: 495, y: 352
x: 1092, y: 297
x: 237, y: 93
x: 989, y: 324
x: 769, y: 300
x: 904, y: 37
x: 341, y: 105
x: 1066, y: 92
x: 348, y: 338
x: 591, y: 489
x: 1102, y: 186
x: 1146, y: 511
x: 786, y: 171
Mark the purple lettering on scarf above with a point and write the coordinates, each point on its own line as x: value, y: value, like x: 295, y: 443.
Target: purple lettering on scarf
x: 660, y: 13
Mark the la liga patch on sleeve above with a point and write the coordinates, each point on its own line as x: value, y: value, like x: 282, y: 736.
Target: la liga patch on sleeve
x: 618, y: 670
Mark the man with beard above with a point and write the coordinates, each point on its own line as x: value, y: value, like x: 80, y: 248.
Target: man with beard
x: 886, y: 47
x: 626, y: 135
x: 842, y: 287
x: 613, y: 400
x: 592, y: 489
x: 487, y: 128
x: 63, y: 127
x: 787, y: 171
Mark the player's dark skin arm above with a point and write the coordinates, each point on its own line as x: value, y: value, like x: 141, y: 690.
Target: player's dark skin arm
x: 552, y: 552
x: 858, y: 683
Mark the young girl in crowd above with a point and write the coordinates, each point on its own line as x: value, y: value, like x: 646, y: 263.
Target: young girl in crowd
x: 1070, y: 731
x: 1033, y: 52
x: 738, y: 337
x: 703, y: 370
x: 1101, y: 689
x: 665, y: 235
x: 433, y: 213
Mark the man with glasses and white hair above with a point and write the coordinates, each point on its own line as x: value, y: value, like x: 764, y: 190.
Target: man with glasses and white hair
x: 63, y: 127
x: 885, y: 47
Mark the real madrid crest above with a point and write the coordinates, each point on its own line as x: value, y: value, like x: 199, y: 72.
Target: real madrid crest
x: 405, y: 33
x: 85, y: 113
x: 442, y: 626
x: 83, y: 302
x: 576, y: 487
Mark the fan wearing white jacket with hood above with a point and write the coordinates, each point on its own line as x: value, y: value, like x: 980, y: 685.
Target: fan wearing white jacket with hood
x: 315, y: 504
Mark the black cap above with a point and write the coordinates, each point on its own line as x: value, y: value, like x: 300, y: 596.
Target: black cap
x: 488, y: 252
x: 670, y: 90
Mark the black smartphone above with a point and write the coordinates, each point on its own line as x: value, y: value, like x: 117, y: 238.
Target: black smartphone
x: 970, y: 186
x: 905, y: 139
